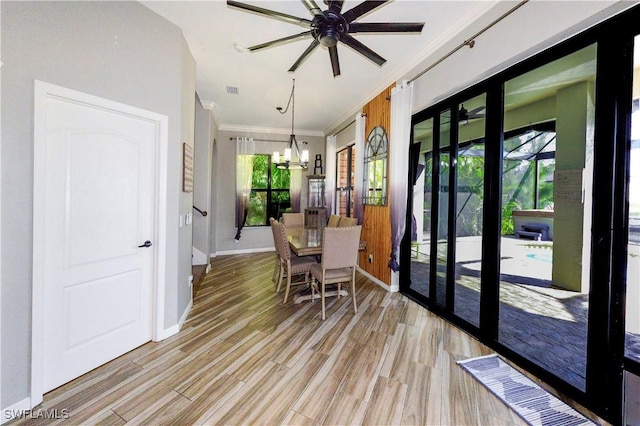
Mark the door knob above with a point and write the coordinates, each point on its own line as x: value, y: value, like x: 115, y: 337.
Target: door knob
x: 146, y: 244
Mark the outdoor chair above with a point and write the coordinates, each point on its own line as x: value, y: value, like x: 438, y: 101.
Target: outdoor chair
x: 290, y: 264
x: 339, y: 258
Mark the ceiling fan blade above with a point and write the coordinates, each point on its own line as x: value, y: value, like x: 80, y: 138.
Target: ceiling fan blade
x: 362, y: 9
x: 475, y: 113
x: 270, y: 13
x: 335, y: 63
x: 362, y: 49
x: 314, y: 44
x: 312, y: 7
x: 386, y: 27
x: 279, y: 41
x: 336, y: 6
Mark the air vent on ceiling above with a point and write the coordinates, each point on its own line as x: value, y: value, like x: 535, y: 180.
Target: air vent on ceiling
x: 232, y: 90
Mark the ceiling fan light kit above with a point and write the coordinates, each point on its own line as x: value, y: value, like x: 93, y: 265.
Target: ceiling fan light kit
x: 331, y: 26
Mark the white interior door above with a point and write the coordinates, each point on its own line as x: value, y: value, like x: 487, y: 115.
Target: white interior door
x: 99, y: 208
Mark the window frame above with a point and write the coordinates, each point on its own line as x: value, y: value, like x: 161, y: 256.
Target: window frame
x: 350, y: 188
x: 269, y: 191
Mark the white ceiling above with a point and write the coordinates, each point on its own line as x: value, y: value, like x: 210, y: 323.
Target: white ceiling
x: 322, y: 102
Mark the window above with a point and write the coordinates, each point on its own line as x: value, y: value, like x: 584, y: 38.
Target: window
x: 469, y: 160
x: 345, y: 159
x: 528, y: 171
x: 269, y: 192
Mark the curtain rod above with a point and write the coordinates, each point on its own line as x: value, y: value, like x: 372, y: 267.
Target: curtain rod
x: 344, y: 128
x: 348, y: 124
x: 468, y: 42
x: 266, y: 140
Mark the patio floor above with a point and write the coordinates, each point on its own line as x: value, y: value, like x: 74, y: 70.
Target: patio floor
x: 542, y: 322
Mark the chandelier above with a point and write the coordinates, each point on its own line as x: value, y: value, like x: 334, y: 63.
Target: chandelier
x: 293, y: 158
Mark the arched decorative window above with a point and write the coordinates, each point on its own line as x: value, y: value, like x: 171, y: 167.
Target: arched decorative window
x: 375, y: 166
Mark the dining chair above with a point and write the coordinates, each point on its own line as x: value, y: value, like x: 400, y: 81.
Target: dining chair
x: 348, y: 221
x: 293, y: 219
x: 276, y: 266
x: 290, y: 264
x: 339, y: 258
x: 334, y: 220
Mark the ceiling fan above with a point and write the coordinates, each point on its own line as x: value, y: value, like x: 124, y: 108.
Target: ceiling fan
x: 331, y: 26
x: 466, y: 115
x: 463, y: 114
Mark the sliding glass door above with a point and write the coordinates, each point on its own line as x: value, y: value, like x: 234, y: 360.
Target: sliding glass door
x: 448, y: 176
x: 542, y: 255
x: 546, y: 225
x: 442, y: 218
x: 632, y: 335
x: 526, y: 212
x: 469, y: 195
x: 422, y: 202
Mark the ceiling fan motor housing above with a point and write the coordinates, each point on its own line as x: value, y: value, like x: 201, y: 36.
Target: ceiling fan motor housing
x: 329, y: 28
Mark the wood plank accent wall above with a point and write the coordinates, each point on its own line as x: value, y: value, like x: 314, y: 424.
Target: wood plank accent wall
x: 376, y: 230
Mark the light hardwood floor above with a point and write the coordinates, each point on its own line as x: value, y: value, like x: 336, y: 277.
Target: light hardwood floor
x: 243, y: 357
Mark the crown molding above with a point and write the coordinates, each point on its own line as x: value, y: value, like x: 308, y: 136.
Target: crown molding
x: 213, y: 109
x: 211, y: 106
x: 268, y: 130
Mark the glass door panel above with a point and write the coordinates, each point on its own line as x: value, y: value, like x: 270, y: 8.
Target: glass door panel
x: 546, y: 214
x: 470, y: 195
x: 443, y: 207
x: 421, y: 215
x: 632, y: 335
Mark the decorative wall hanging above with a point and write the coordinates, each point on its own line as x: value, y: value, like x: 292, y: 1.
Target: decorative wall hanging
x: 187, y: 168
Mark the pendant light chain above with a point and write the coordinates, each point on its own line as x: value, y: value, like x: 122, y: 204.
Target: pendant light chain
x: 303, y: 157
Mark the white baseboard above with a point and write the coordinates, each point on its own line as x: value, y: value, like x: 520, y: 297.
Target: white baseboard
x: 199, y: 258
x: 16, y: 410
x: 244, y: 251
x: 395, y: 282
x: 391, y: 289
x: 208, y: 269
x: 185, y: 314
x: 168, y: 332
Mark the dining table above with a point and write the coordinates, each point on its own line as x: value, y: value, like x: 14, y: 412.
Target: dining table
x: 307, y: 241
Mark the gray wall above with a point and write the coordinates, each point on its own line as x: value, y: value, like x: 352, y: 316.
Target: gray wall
x: 215, y: 182
x: 117, y: 50
x: 203, y: 151
x: 254, y: 237
x: 175, y: 311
